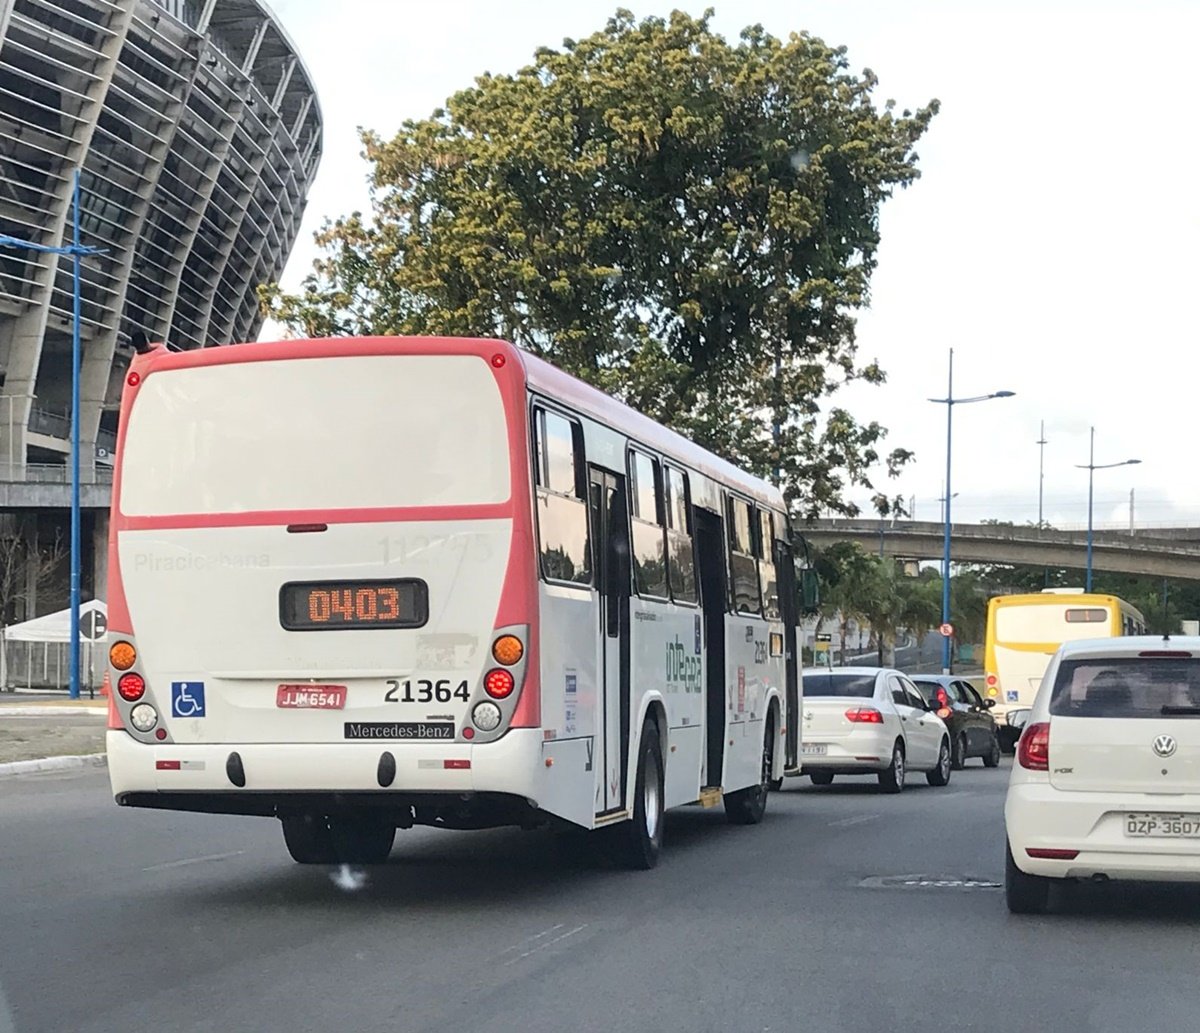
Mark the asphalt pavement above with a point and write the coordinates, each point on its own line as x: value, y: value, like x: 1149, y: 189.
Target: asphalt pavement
x: 846, y: 910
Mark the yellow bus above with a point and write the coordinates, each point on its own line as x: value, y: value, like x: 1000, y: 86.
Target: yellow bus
x: 1024, y: 631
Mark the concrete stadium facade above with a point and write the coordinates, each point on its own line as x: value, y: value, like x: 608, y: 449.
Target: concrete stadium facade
x: 197, y: 133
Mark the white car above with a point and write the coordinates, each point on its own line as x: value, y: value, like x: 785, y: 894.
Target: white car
x: 1106, y: 784
x: 870, y: 720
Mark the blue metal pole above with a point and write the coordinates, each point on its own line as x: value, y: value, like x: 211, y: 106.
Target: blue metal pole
x: 946, y: 542
x: 1091, y: 478
x: 76, y: 258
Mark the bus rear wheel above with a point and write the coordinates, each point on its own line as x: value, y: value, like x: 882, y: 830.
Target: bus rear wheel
x: 747, y: 806
x: 308, y: 839
x: 362, y: 840
x: 638, y: 842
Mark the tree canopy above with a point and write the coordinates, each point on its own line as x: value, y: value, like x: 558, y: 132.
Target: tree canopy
x: 686, y: 222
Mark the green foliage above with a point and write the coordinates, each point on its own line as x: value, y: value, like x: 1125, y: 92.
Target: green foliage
x: 687, y: 223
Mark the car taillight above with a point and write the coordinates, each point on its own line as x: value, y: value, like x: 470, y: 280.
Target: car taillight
x: 865, y: 716
x: 1033, y: 748
x: 942, y: 698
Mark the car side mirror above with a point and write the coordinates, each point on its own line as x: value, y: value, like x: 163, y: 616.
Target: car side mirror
x: 989, y: 703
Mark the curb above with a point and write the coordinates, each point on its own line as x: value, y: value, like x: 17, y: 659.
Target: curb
x: 19, y: 710
x: 29, y: 767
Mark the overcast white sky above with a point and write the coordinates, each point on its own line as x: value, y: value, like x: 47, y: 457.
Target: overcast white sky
x: 1051, y: 241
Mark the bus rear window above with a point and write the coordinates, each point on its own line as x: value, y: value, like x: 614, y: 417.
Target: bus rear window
x: 1088, y: 616
x: 350, y: 432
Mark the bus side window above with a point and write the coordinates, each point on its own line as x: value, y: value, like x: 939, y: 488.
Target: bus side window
x: 743, y: 567
x: 681, y: 556
x: 562, y: 512
x: 649, y: 544
x: 766, y: 564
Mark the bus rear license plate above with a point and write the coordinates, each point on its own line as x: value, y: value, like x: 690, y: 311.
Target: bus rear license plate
x: 399, y: 730
x: 814, y: 749
x: 311, y: 697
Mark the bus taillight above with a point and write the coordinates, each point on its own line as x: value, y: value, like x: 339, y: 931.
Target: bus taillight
x: 132, y: 687
x: 122, y: 655
x: 508, y: 650
x: 498, y: 684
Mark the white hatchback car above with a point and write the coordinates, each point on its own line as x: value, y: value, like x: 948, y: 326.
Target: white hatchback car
x: 870, y: 720
x: 1106, y: 784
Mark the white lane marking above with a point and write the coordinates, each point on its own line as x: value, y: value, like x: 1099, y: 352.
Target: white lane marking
x: 548, y: 943
x: 845, y: 823
x: 7, y: 1024
x: 532, y: 939
x: 192, y: 860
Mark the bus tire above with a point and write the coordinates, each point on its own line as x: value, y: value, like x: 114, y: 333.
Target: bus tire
x: 308, y: 839
x: 362, y: 840
x: 747, y: 806
x: 639, y: 841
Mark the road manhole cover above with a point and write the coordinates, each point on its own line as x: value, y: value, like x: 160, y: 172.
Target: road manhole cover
x: 928, y: 882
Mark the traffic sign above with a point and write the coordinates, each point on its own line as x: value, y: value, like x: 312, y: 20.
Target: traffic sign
x: 93, y: 625
x: 946, y: 630
x: 824, y: 638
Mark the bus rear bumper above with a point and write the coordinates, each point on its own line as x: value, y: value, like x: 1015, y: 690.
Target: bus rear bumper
x: 294, y: 777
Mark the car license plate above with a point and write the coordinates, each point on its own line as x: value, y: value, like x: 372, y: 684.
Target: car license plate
x: 311, y: 697
x: 1163, y: 826
x: 814, y: 749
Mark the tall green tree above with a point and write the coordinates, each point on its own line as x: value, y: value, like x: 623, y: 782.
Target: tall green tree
x: 686, y: 222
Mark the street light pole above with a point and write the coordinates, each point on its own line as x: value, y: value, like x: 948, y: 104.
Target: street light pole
x: 946, y: 529
x: 950, y: 402
x: 1041, y: 442
x: 77, y: 252
x: 1091, y: 468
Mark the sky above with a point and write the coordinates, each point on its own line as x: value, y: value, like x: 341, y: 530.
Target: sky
x: 1051, y: 240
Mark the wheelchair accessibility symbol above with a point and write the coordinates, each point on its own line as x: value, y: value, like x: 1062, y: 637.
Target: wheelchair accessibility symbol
x: 187, y: 699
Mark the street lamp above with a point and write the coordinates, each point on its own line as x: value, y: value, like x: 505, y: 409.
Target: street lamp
x: 1091, y: 467
x: 950, y: 402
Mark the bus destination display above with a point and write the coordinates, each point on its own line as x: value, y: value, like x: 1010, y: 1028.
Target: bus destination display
x: 338, y: 605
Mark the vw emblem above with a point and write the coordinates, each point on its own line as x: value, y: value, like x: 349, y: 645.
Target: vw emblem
x: 1164, y: 745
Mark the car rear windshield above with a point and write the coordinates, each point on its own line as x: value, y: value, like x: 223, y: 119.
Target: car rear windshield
x: 1127, y: 687
x: 928, y: 689
x: 834, y: 684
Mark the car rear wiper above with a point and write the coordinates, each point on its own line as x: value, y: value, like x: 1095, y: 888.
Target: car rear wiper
x: 1185, y: 709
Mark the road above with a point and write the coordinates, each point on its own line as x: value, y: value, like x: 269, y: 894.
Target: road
x: 137, y: 922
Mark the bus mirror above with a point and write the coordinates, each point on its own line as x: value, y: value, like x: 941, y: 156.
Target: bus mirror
x: 810, y: 592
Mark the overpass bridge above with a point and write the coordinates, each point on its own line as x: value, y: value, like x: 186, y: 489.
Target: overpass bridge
x: 1158, y: 552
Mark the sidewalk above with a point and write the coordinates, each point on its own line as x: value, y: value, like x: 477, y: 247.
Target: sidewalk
x: 35, y: 731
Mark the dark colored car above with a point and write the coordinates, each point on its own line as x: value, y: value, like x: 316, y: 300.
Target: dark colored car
x: 973, y: 731
x: 1010, y: 730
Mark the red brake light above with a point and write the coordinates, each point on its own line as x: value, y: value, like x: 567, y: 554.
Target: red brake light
x: 1052, y: 853
x: 942, y: 698
x: 132, y: 687
x: 498, y: 684
x: 1033, y: 748
x: 865, y: 716
x: 498, y: 360
x: 1171, y: 654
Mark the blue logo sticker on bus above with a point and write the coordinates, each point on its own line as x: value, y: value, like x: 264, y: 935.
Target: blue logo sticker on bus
x: 1012, y: 696
x: 187, y: 699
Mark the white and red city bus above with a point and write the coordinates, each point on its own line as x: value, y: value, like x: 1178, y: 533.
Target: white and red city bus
x: 365, y: 584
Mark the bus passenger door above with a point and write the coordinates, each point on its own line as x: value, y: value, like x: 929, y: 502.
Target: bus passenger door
x: 710, y: 557
x: 610, y: 528
x: 788, y: 603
